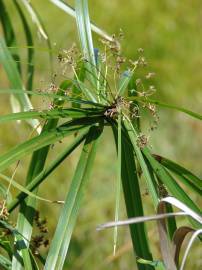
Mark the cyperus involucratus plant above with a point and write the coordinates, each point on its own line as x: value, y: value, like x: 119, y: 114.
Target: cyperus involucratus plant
x: 100, y: 89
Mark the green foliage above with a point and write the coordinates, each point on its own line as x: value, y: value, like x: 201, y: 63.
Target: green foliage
x: 99, y: 91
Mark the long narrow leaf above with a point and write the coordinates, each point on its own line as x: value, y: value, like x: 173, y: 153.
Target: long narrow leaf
x: 35, y: 18
x: 169, y: 106
x: 165, y: 245
x: 30, y: 48
x: 133, y: 200
x: 46, y: 138
x: 124, y: 81
x: 71, y: 11
x: 51, y: 95
x: 194, y: 236
x: 25, y: 216
x: 9, y: 33
x: 140, y: 219
x: 40, y: 26
x: 150, y: 183
x: 178, y: 238
x: 14, y: 78
x: 84, y: 30
x: 76, y: 90
x: 52, y: 114
x: 181, y: 172
x: 23, y: 189
x: 169, y: 182
x: 46, y: 172
x: 61, y: 239
x: 118, y: 183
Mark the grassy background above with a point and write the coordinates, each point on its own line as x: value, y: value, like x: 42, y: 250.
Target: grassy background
x: 170, y: 31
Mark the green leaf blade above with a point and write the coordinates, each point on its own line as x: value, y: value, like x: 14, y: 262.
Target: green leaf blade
x: 133, y: 200
x: 60, y: 242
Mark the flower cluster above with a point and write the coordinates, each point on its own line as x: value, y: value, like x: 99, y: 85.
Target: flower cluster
x: 40, y: 239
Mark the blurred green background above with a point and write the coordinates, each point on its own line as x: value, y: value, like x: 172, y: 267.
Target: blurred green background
x: 170, y: 32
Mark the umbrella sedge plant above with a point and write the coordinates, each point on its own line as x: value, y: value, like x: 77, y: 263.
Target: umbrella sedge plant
x: 100, y: 89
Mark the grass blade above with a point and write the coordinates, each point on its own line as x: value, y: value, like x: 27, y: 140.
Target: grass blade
x: 183, y: 206
x: 61, y: 239
x: 178, y: 239
x: 139, y: 219
x: 149, y: 179
x: 27, y: 208
x: 165, y: 245
x: 71, y: 11
x: 180, y: 178
x: 194, y: 236
x: 171, y: 223
x: 170, y: 106
x: 124, y: 81
x: 45, y: 139
x: 169, y: 181
x: 15, y: 80
x: 10, y: 39
x: 9, y: 33
x: 84, y: 30
x: 61, y: 97
x: 76, y: 91
x: 43, y: 174
x: 23, y: 189
x: 39, y: 24
x: 166, y: 105
x: 185, y: 175
x: 85, y: 90
x: 35, y: 18
x: 25, y: 216
x: 52, y: 114
x: 118, y: 183
x: 133, y: 199
x: 30, y: 47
